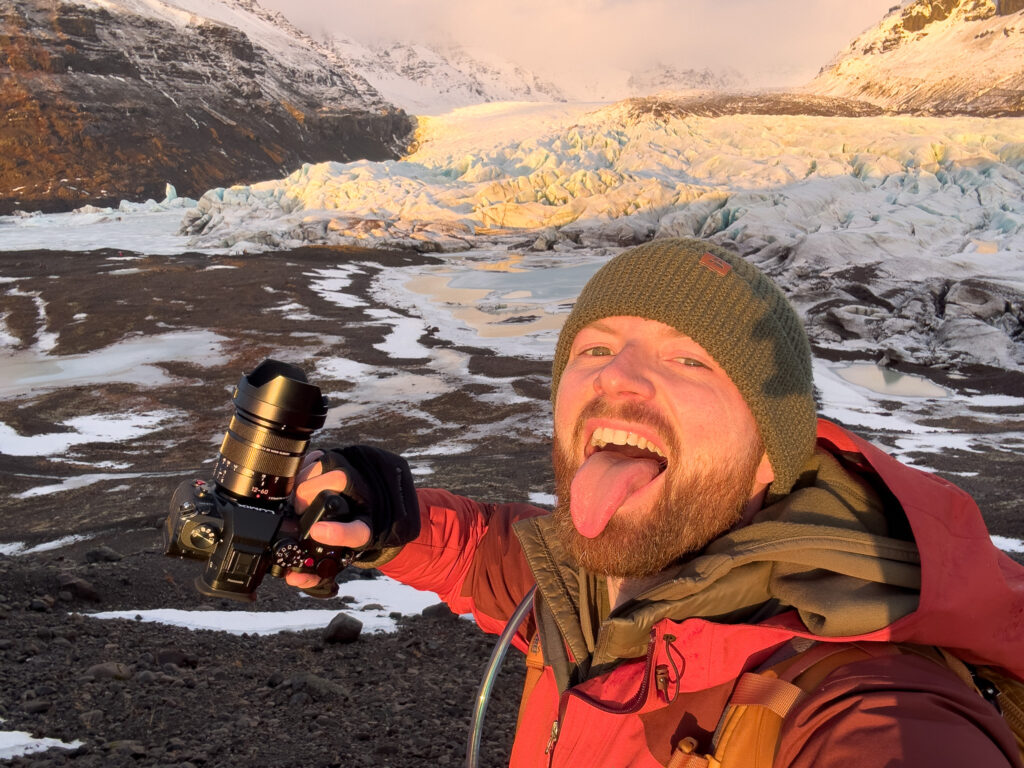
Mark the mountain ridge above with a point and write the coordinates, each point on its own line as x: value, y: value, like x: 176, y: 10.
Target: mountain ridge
x: 935, y: 57
x: 103, y: 101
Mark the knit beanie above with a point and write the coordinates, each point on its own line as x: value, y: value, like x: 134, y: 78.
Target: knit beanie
x: 736, y: 313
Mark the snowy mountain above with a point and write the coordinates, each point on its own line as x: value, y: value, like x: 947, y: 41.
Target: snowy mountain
x: 937, y: 57
x: 111, y: 99
x: 433, y: 79
x: 430, y: 79
x: 666, y: 78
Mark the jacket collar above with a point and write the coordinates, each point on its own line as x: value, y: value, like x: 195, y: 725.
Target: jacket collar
x: 831, y: 525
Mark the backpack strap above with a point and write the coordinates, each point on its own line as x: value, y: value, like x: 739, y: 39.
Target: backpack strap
x: 748, y: 731
x: 534, y: 670
x: 1000, y: 689
x: 809, y: 669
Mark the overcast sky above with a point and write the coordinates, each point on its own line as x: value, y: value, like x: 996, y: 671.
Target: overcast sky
x: 785, y: 41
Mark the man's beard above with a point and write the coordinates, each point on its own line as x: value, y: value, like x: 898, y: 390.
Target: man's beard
x: 699, y: 503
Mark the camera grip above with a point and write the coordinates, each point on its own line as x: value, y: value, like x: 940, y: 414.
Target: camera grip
x: 328, y: 505
x: 324, y: 560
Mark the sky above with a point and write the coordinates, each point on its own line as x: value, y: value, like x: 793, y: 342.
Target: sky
x: 771, y: 42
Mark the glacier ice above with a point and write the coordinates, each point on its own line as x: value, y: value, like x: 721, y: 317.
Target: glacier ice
x: 871, y: 224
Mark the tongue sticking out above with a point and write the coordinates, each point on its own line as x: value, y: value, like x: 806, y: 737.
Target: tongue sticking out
x: 602, y: 484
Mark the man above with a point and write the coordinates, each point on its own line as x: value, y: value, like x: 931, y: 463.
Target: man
x: 706, y: 526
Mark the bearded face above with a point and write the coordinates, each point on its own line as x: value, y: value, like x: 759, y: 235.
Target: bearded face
x: 656, y: 450
x: 700, y: 500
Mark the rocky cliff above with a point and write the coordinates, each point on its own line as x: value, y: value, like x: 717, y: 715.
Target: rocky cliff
x: 107, y: 101
x: 936, y: 57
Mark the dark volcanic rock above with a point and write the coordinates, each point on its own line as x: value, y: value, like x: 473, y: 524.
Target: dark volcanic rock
x: 78, y: 587
x: 99, y: 104
x: 343, y: 629
x: 102, y: 555
x: 438, y: 611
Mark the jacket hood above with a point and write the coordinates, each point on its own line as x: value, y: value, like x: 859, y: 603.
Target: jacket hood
x: 863, y: 548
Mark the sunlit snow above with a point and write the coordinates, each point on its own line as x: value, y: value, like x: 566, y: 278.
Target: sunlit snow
x: 16, y: 743
x: 106, y: 428
x: 358, y: 598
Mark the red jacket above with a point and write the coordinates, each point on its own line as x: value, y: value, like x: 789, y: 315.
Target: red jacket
x: 886, y: 711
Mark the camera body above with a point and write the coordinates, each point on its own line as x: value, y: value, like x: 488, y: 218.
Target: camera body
x: 243, y: 523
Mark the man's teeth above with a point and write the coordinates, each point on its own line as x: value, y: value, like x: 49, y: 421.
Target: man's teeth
x: 604, y: 435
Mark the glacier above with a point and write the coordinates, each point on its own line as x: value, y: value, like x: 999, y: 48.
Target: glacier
x: 898, y: 235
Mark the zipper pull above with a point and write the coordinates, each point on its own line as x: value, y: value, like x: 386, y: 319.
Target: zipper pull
x: 550, y: 748
x: 661, y: 679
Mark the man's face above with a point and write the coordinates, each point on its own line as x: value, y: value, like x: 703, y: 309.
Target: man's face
x: 656, y: 453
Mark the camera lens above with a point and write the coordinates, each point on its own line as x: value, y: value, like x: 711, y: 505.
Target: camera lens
x: 276, y: 412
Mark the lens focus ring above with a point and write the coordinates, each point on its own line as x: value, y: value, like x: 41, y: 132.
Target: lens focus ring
x: 264, y: 437
x: 259, y: 461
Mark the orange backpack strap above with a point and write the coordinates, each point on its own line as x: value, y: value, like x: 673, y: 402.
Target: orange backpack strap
x: 748, y: 731
x: 534, y: 669
x: 808, y: 669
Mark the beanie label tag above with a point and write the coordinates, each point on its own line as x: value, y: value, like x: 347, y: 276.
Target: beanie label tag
x: 715, y: 264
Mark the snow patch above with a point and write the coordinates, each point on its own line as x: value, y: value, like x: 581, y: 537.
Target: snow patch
x: 390, y: 595
x: 94, y: 428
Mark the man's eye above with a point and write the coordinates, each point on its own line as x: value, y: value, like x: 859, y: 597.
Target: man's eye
x: 691, y: 362
x: 596, y: 351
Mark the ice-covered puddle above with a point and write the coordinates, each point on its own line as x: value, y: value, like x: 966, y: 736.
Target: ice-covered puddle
x: 511, y: 302
x: 507, y: 302
x: 133, y: 361
x: 906, y: 409
x: 886, y: 381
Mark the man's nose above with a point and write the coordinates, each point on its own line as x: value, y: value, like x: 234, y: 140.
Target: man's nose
x: 626, y: 374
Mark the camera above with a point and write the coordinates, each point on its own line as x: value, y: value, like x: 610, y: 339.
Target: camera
x: 243, y: 523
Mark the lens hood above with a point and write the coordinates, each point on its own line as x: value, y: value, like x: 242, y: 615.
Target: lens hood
x: 278, y: 396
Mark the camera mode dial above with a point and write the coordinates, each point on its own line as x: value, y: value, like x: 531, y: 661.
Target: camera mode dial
x: 204, y: 537
x: 289, y: 554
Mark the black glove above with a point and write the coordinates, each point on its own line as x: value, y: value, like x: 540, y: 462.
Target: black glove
x: 381, y: 493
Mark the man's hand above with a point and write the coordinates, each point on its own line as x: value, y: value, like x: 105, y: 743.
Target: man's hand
x: 381, y: 496
x: 311, y: 482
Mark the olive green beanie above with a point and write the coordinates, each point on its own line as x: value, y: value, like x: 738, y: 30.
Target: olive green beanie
x: 736, y: 313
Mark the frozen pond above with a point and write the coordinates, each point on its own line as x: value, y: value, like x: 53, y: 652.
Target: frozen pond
x: 889, y: 382
x: 132, y: 361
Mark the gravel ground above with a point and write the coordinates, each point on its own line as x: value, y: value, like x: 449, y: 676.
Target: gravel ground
x: 142, y: 694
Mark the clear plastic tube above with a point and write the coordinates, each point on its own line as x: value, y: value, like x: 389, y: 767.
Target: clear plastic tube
x: 483, y: 694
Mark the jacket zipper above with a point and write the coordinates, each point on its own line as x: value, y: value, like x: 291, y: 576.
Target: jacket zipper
x: 630, y: 706
x: 638, y: 698
x: 549, y: 750
x: 556, y: 727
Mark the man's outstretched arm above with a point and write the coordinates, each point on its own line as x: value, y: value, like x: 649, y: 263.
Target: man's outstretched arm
x: 463, y: 550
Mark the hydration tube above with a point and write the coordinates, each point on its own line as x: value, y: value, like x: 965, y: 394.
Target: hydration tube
x: 483, y: 694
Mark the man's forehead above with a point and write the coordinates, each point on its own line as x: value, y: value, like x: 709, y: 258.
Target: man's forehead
x: 628, y: 326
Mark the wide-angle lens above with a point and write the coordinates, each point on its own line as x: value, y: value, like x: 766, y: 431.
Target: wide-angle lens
x: 276, y: 412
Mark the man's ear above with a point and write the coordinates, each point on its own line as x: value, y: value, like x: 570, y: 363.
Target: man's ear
x: 765, y: 472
